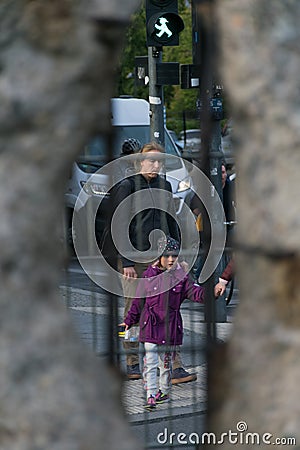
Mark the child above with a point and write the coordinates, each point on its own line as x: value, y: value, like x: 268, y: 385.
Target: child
x: 164, y: 287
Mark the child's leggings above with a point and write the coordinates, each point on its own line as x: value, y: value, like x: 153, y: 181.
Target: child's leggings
x: 157, y: 356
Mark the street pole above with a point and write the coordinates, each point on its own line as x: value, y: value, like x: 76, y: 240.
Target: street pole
x: 196, y: 44
x: 156, y: 97
x: 205, y: 56
x: 215, y: 166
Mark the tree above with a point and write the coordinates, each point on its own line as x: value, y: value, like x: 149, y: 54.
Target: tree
x: 57, y: 61
x: 181, y: 100
x: 135, y: 45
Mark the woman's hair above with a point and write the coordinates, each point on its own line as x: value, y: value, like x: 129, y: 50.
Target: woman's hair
x: 150, y: 147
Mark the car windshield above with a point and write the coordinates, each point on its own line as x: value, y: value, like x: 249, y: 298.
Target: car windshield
x: 191, y: 134
x: 95, y: 153
x: 173, y: 135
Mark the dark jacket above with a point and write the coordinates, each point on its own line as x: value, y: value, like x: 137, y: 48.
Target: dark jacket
x: 157, y: 305
x: 159, y: 208
x: 229, y: 200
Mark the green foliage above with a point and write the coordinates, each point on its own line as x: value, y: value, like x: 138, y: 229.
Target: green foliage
x: 180, y: 102
x: 135, y: 45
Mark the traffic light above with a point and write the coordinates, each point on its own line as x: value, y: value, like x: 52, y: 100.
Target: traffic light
x: 163, y: 23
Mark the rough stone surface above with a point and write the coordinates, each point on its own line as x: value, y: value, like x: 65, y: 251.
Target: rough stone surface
x: 57, y: 69
x: 260, y: 370
x: 260, y: 50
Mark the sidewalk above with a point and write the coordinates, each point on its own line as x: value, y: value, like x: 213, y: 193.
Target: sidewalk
x: 186, y: 398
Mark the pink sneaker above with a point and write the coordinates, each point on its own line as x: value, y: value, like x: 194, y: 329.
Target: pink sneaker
x: 151, y: 403
x: 161, y: 398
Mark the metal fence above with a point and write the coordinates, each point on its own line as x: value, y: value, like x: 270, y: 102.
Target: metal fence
x: 96, y: 302
x: 97, y: 312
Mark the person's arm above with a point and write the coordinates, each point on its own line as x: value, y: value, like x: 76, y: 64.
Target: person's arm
x: 193, y: 291
x: 133, y: 315
x: 225, y: 277
x: 122, y: 191
x: 227, y: 274
x: 196, y: 205
x: 172, y: 224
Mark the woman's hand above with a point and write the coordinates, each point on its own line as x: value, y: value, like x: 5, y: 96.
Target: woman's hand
x: 129, y: 273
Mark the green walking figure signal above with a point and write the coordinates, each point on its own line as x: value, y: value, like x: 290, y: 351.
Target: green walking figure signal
x: 163, y: 23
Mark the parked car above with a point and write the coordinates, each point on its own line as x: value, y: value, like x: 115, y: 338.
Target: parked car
x: 178, y: 143
x: 78, y: 181
x: 191, y: 140
x: 192, y: 143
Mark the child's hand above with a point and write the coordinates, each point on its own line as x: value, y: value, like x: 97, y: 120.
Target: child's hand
x: 123, y: 324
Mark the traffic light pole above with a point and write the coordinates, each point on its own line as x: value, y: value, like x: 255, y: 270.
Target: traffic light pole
x: 215, y: 167
x: 205, y: 55
x: 156, y: 97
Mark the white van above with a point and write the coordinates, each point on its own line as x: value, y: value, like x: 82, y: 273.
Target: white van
x: 130, y: 119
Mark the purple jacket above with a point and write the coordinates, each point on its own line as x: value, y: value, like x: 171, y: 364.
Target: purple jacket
x: 159, y: 314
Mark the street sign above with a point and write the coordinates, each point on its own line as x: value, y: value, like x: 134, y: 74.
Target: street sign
x: 141, y: 70
x: 216, y: 107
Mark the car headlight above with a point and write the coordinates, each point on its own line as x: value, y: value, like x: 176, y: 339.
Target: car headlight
x: 184, y: 185
x: 94, y: 188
